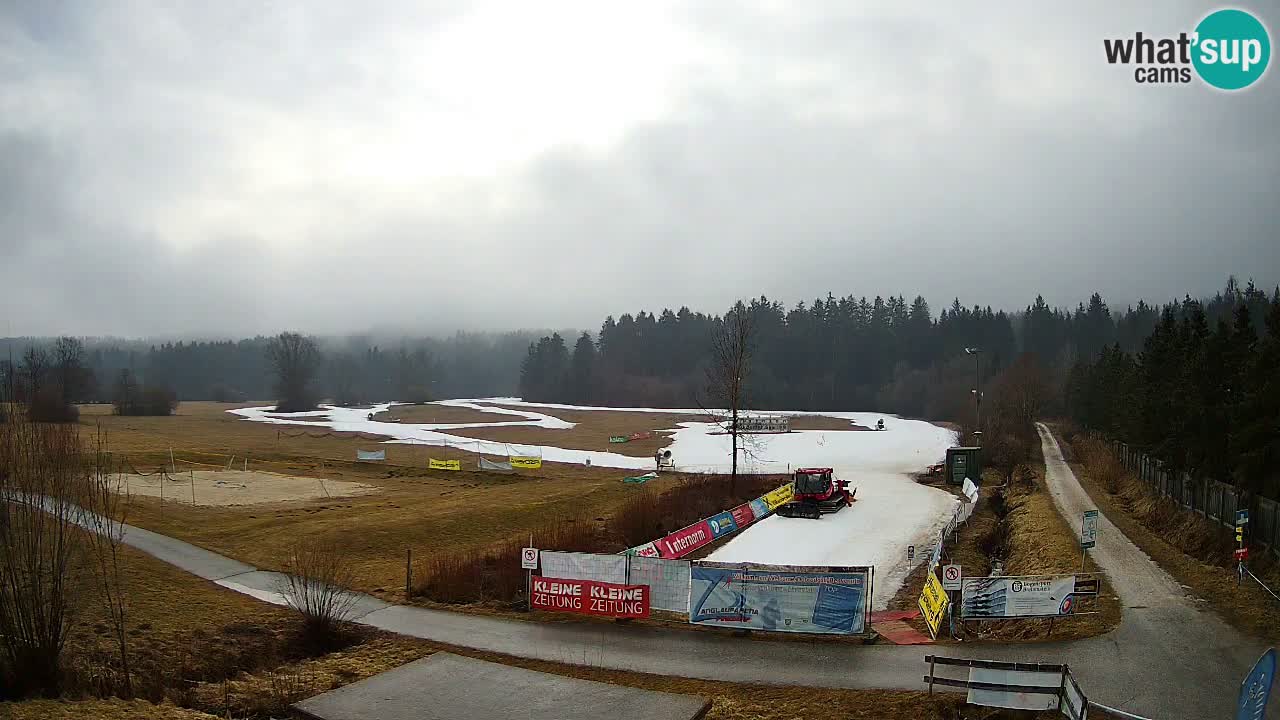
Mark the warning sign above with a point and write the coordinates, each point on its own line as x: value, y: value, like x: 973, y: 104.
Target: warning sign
x: 529, y: 558
x: 951, y: 577
x: 933, y: 603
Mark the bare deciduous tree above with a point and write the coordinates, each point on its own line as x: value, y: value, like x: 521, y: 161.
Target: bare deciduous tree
x: 317, y: 578
x: 296, y: 358
x: 728, y: 373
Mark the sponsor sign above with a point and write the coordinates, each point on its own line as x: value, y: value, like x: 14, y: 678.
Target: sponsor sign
x: 777, y: 498
x: 435, y: 464
x: 1012, y: 597
x: 759, y: 508
x: 1256, y: 688
x: 1089, y: 529
x: 781, y: 598
x: 371, y: 454
x: 529, y: 558
x: 684, y: 541
x: 588, y: 597
x: 518, y: 461
x: 1241, y: 553
x: 743, y: 515
x: 648, y: 550
x: 722, y: 524
x: 951, y: 577
x: 933, y: 603
x: 618, y: 438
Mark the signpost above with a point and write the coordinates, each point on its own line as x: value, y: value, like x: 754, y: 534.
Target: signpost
x: 951, y: 577
x: 1242, y: 552
x: 529, y: 563
x: 911, y: 553
x: 1256, y: 688
x: 1088, y: 534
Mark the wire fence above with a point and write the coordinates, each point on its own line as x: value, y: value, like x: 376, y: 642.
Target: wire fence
x: 1211, y: 499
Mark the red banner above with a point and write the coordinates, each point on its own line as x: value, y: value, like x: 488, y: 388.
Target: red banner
x: 742, y: 515
x: 683, y: 542
x: 588, y: 597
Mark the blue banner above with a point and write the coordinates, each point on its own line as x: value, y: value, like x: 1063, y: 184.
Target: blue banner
x: 780, y: 598
x: 722, y: 524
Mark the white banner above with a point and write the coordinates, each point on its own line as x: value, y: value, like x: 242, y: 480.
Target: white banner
x: 584, y: 566
x: 371, y: 454
x: 1013, y: 597
x: 668, y: 582
x: 487, y: 465
x: 1014, y: 699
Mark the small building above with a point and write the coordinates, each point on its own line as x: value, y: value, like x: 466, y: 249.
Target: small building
x: 964, y: 462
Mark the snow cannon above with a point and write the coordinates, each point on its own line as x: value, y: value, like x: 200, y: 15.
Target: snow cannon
x: 816, y: 491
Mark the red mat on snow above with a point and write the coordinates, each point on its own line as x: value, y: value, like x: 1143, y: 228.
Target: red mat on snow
x: 900, y: 633
x: 889, y: 615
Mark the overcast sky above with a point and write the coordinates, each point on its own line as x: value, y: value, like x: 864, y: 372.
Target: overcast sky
x: 243, y: 167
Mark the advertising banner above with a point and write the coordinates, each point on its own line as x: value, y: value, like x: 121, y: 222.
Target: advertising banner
x: 587, y: 597
x: 618, y: 438
x: 371, y: 454
x: 933, y: 603
x: 776, y: 498
x: 684, y: 541
x: 743, y: 515
x: 584, y: 566
x: 759, y: 508
x: 1014, y: 597
x: 435, y: 464
x: 667, y: 580
x: 780, y: 598
x: 648, y: 550
x: 722, y: 524
x: 518, y: 461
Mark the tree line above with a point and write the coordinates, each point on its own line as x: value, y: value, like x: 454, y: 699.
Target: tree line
x: 831, y: 354
x: 1202, y: 393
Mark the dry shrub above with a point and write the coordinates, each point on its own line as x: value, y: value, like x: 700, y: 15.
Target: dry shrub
x: 1100, y: 463
x: 317, y: 575
x: 494, y: 574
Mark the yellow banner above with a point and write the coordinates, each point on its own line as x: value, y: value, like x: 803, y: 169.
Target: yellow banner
x: 435, y: 464
x: 777, y: 498
x: 532, y: 463
x: 933, y: 603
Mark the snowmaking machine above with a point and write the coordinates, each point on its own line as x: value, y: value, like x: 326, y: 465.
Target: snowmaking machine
x: 816, y: 491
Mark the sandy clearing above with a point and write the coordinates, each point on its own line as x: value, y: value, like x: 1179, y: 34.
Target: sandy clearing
x: 226, y: 488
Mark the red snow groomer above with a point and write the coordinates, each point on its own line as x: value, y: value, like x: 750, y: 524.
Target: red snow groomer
x: 817, y: 492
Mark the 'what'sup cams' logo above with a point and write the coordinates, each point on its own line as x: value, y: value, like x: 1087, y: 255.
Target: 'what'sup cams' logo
x: 1229, y: 50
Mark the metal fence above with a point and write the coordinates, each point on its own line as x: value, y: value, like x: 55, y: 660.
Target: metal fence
x: 1213, y: 500
x: 668, y: 580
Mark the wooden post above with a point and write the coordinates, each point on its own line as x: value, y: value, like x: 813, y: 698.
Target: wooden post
x: 930, y: 674
x: 408, y: 573
x: 528, y: 583
x: 162, y: 495
x: 172, y: 468
x: 193, y: 488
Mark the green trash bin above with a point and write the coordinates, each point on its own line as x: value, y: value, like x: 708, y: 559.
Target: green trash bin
x: 964, y: 462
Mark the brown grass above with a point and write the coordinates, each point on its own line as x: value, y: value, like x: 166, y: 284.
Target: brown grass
x: 432, y: 512
x: 433, y: 413
x: 592, y: 432
x: 1019, y: 527
x: 1196, y: 552
x: 176, y: 614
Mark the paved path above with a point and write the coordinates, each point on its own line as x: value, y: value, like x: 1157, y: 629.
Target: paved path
x: 1166, y: 660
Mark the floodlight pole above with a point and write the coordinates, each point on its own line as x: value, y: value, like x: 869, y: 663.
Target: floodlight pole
x: 977, y: 392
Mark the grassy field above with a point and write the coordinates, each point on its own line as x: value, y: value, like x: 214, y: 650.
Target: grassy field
x: 427, y: 511
x: 432, y: 413
x: 210, y: 652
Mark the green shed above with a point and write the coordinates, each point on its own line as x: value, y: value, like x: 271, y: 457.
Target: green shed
x: 964, y: 462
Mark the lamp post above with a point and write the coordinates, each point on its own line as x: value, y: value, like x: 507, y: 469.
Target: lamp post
x: 977, y: 393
